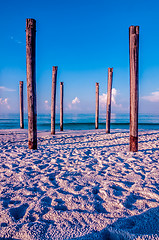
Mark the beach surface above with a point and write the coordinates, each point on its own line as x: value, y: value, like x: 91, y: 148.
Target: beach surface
x: 79, y: 185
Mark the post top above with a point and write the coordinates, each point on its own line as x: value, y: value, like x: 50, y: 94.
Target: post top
x: 110, y: 69
x: 134, y: 29
x: 54, y: 68
x: 21, y: 82
x: 97, y: 84
x: 61, y: 83
x: 30, y: 23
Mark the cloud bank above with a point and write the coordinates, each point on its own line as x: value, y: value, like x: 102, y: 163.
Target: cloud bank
x: 103, y: 99
x: 76, y: 100
x: 7, y: 89
x: 153, y: 97
x: 4, y: 103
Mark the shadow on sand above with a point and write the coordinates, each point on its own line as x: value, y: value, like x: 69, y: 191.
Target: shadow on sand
x: 143, y: 226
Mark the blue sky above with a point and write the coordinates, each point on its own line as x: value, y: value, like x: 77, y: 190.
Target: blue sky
x: 83, y: 38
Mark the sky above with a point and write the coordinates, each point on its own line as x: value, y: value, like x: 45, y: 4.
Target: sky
x: 83, y: 38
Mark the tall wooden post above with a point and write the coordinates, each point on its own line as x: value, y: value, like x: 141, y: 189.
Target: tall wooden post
x: 61, y: 106
x: 31, y: 82
x: 97, y: 106
x: 133, y: 54
x: 53, y: 99
x: 21, y: 104
x: 109, y: 94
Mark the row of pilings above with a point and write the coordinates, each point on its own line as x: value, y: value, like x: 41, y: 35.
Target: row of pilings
x: 31, y: 89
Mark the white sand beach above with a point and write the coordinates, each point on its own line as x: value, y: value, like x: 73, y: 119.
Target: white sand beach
x: 79, y: 185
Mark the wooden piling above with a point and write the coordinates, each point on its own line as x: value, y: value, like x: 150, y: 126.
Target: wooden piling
x: 53, y: 98
x: 97, y: 106
x: 109, y: 94
x: 61, y: 106
x: 133, y: 54
x: 21, y: 104
x: 31, y: 82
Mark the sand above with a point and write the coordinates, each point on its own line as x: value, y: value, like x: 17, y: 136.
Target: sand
x: 79, y: 185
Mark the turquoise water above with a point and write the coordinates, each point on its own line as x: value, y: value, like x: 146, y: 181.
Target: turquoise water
x: 81, y: 121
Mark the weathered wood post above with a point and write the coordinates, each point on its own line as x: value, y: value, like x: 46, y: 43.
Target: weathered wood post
x: 31, y: 82
x: 53, y: 99
x: 133, y: 54
x: 61, y: 106
x: 97, y: 106
x: 21, y: 104
x: 109, y: 95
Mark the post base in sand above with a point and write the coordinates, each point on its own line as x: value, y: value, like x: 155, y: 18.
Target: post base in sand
x: 32, y: 145
x: 133, y: 144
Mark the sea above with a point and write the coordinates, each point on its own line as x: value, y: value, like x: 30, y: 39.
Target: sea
x: 81, y: 121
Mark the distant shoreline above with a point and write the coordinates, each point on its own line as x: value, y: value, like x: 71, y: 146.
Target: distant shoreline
x: 81, y: 122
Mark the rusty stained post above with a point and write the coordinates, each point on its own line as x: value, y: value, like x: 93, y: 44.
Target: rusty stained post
x: 97, y: 106
x: 133, y: 54
x: 31, y: 82
x: 109, y: 95
x: 53, y: 99
x: 21, y: 104
x: 61, y: 106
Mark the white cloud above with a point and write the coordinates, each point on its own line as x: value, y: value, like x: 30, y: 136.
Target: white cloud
x: 74, y: 105
x: 76, y: 100
x: 153, y: 97
x: 114, y: 93
x: 103, y: 99
x: 7, y: 89
x: 46, y: 101
x: 4, y: 103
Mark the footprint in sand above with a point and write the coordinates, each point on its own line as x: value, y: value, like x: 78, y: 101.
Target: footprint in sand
x: 4, y: 225
x: 60, y: 205
x: 130, y: 200
x: 43, y: 166
x: 128, y: 183
x: 19, y: 212
x: 52, y: 179
x: 7, y: 201
x: 37, y: 162
x: 117, y: 190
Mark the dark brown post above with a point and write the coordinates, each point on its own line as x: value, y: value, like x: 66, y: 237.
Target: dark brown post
x: 21, y: 104
x: 61, y: 106
x: 53, y: 99
x: 97, y: 106
x: 109, y: 94
x: 31, y: 82
x: 133, y: 54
